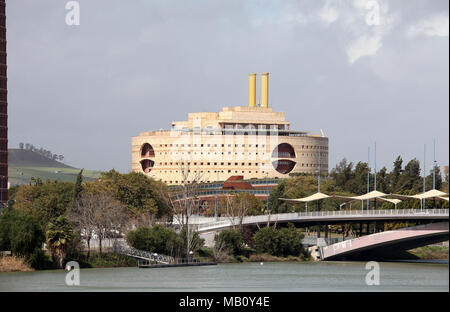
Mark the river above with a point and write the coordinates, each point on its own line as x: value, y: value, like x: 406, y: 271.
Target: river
x: 272, y: 277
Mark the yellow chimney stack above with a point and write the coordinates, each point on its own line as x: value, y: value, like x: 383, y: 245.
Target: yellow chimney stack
x: 252, y: 90
x: 265, y: 89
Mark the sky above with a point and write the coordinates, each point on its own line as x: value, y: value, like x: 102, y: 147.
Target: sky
x: 363, y: 71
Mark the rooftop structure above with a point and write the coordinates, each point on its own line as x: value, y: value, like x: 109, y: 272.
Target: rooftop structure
x: 250, y: 141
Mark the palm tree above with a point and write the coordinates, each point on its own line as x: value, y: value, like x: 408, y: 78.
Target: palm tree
x: 58, y: 237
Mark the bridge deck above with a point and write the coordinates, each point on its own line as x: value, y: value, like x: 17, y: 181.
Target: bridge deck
x: 326, y: 217
x: 386, y: 242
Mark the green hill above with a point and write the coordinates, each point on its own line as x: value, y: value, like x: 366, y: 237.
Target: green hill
x: 20, y: 157
x: 25, y: 164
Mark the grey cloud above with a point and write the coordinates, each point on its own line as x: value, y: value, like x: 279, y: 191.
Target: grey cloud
x: 134, y: 66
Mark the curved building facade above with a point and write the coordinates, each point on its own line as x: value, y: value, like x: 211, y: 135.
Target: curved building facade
x: 250, y: 141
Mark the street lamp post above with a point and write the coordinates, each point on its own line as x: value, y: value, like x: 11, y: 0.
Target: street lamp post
x: 267, y: 198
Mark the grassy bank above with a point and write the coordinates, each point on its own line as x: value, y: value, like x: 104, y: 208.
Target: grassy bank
x: 14, y: 264
x: 430, y: 252
x: 105, y: 260
x: 248, y: 255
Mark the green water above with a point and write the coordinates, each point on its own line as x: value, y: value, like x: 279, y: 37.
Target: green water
x: 278, y: 277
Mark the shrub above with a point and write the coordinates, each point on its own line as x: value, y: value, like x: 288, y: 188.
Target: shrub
x: 231, y: 239
x: 196, y: 242
x: 20, y: 233
x: 284, y: 242
x: 267, y: 241
x: 155, y: 239
x: 290, y: 241
x: 13, y: 264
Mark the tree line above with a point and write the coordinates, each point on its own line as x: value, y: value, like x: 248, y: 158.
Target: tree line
x: 41, y: 151
x: 350, y: 179
x: 66, y: 216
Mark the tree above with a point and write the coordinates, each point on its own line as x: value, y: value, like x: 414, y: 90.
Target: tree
x: 410, y: 179
x: 357, y: 184
x: 290, y: 241
x: 445, y: 183
x: 58, y: 237
x: 79, y: 184
x: 277, y: 205
x: 342, y: 173
x: 284, y: 242
x: 231, y: 240
x: 267, y: 240
x: 183, y: 200
x: 438, y: 179
x: 237, y: 206
x: 195, y: 242
x: 109, y: 217
x: 45, y: 201
x: 83, y: 215
x: 156, y: 239
x: 19, y: 233
x: 21, y: 145
x: 383, y: 181
x: 144, y: 198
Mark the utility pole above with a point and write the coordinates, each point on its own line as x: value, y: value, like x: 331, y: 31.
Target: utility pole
x: 368, y: 175
x: 217, y: 197
x: 424, y: 173
x: 375, y: 183
x: 434, y: 170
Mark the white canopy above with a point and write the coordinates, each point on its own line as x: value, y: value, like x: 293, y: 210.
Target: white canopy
x: 370, y: 195
x: 444, y: 198
x: 430, y: 194
x: 392, y: 200
x: 319, y: 196
x: 316, y: 196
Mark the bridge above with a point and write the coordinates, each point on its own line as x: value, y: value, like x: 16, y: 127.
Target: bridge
x: 208, y: 224
x: 380, y: 245
x: 122, y: 248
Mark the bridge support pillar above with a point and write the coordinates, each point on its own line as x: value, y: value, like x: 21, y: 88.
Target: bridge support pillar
x: 360, y: 229
x: 368, y: 228
x: 326, y: 230
x: 375, y: 226
x: 318, y: 230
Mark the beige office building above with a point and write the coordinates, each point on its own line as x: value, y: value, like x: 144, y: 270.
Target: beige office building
x: 250, y: 141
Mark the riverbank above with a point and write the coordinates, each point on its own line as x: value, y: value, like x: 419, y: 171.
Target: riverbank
x: 430, y: 252
x: 113, y: 260
x: 104, y: 260
x: 14, y: 264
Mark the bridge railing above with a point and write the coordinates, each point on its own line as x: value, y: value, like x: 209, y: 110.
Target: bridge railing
x: 123, y: 248
x: 313, y: 214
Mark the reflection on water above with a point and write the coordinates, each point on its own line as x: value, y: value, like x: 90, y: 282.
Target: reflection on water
x: 282, y: 277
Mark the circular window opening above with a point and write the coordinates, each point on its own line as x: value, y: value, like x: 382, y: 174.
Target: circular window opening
x: 283, y: 166
x: 147, y: 151
x: 283, y: 150
x: 147, y: 165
